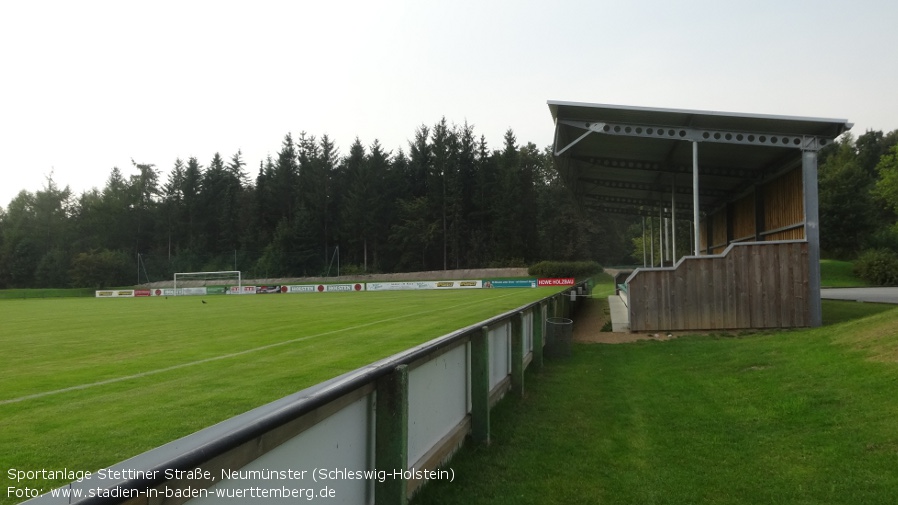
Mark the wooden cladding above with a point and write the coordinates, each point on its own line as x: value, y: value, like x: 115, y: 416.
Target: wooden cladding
x: 755, y: 285
x: 781, y: 216
x: 784, y: 205
x: 744, y: 218
x: 791, y: 234
x: 718, y: 232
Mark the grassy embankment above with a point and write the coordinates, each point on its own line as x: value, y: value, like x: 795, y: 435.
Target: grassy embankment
x: 800, y: 417
x: 839, y: 274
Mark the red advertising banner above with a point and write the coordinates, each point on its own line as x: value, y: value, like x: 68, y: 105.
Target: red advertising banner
x: 556, y: 282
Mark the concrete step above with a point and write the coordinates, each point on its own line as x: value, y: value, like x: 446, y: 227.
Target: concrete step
x: 620, y: 316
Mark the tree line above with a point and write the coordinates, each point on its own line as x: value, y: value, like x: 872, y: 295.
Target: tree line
x: 858, y: 188
x: 449, y: 202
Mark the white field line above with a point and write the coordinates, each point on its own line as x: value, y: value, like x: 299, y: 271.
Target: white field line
x: 226, y: 356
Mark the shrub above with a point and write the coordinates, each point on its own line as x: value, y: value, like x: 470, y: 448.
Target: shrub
x: 100, y: 269
x: 576, y: 269
x: 879, y: 267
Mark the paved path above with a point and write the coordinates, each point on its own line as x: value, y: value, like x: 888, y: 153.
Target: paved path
x: 620, y: 317
x: 877, y: 295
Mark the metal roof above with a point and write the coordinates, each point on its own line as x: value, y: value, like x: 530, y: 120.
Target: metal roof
x: 625, y: 159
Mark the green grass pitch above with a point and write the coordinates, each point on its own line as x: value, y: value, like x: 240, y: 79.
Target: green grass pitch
x: 86, y: 383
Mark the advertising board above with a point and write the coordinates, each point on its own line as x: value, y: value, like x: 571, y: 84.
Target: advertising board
x: 510, y: 283
x: 306, y: 288
x: 566, y: 281
x: 422, y: 285
x: 337, y: 288
x: 115, y: 293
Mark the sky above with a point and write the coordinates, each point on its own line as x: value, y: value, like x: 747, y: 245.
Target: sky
x: 91, y: 85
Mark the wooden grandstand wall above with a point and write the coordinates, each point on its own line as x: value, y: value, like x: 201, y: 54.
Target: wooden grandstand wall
x: 753, y: 285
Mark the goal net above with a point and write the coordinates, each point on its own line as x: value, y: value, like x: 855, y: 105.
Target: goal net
x: 185, y: 282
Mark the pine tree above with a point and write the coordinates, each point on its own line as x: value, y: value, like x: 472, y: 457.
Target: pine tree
x: 419, y: 162
x: 354, y: 210
x: 462, y: 193
x: 380, y: 215
x: 482, y: 215
x: 438, y: 176
x: 145, y: 193
x: 193, y: 206
x: 214, y: 200
x: 266, y: 208
x: 174, y: 231
x: 507, y: 209
x: 285, y: 180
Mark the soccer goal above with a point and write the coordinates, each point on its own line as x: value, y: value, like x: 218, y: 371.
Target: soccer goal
x: 186, y: 280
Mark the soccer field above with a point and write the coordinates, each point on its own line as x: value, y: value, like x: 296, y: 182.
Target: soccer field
x: 86, y: 383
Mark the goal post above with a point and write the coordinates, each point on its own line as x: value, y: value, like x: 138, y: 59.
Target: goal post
x: 203, y: 279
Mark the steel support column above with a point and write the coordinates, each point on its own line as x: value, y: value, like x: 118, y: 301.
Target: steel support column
x: 643, y: 243
x: 661, y: 231
x: 667, y: 238
x: 652, y: 239
x: 812, y: 235
x: 673, y: 217
x: 695, y: 201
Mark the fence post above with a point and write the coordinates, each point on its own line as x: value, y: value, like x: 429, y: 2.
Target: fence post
x: 480, y: 386
x: 517, y: 353
x: 391, y: 436
x: 537, y: 362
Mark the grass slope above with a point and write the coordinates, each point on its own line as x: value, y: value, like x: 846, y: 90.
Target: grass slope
x: 839, y: 274
x: 49, y: 345
x: 798, y: 417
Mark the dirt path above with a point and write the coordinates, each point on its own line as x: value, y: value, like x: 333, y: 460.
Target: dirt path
x: 592, y: 316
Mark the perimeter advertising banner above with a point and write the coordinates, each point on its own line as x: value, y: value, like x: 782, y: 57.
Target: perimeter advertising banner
x: 115, y: 293
x: 510, y: 283
x: 190, y: 291
x: 568, y: 281
x: 421, y: 285
x: 337, y: 288
x: 306, y: 288
x: 179, y: 292
x: 397, y: 286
